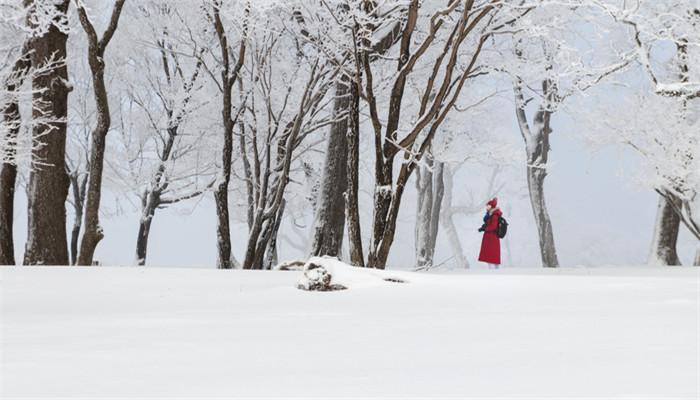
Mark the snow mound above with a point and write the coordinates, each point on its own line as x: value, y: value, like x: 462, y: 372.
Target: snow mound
x: 328, y: 274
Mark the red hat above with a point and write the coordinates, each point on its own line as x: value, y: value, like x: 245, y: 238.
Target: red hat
x: 493, y: 202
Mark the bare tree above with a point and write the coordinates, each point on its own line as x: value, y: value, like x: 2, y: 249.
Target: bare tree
x: 96, y: 54
x: 443, y: 85
x: 175, y: 91
x: 269, y: 137
x: 81, y: 113
x: 231, y: 64
x: 554, y: 78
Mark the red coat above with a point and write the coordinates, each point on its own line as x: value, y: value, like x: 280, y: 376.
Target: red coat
x: 491, y: 244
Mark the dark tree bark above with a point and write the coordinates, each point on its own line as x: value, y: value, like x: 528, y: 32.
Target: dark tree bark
x: 93, y: 233
x: 229, y: 75
x: 8, y: 182
x: 329, y: 224
x: 271, y: 258
x: 8, y: 169
x: 668, y: 222
x: 353, y: 186
x: 48, y: 181
x: 149, y: 203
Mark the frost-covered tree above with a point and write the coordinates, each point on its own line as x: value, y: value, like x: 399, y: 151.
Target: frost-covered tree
x: 230, y: 22
x: 23, y: 108
x: 664, y: 126
x: 48, y: 185
x: 558, y: 51
x: 448, y: 43
x: 323, y: 28
x: 97, y: 45
x: 285, y: 100
x: 165, y: 134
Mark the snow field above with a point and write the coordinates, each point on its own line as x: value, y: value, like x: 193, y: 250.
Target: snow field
x: 197, y: 333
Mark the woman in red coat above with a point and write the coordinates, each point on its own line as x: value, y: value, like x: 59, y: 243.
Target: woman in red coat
x: 491, y: 243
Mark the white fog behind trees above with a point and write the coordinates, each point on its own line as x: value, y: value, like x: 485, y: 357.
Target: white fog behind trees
x: 244, y: 133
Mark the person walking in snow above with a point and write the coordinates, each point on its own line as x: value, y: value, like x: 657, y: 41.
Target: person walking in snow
x: 491, y: 243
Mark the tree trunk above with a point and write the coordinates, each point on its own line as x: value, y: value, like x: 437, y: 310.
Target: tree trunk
x: 537, y: 150
x: 8, y: 178
x: 79, y: 185
x: 424, y: 187
x: 439, y: 187
x: 352, y: 202
x: 430, y: 187
x: 696, y: 262
x: 329, y: 222
x: 668, y: 222
x: 48, y: 181
x: 223, y: 231
x: 93, y: 234
x: 142, y: 239
x: 271, y: 258
x: 387, y: 202
x: 535, y: 184
x: 259, y: 246
x: 448, y: 223
x: 228, y: 78
x: 8, y: 169
x: 247, y: 171
x: 150, y: 203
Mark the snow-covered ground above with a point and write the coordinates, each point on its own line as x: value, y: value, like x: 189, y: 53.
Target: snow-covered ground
x: 195, y: 333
